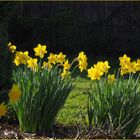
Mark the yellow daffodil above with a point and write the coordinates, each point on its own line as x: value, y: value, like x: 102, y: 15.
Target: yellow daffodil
x: 123, y: 71
x: 111, y: 78
x: 106, y: 66
x: 127, y: 66
x: 102, y: 66
x: 94, y: 73
x: 124, y: 59
x: 98, y: 65
x: 3, y: 109
x: 137, y: 65
x: 12, y: 48
x: 40, y: 50
x: 65, y: 73
x: 52, y: 58
x: 131, y: 67
x: 14, y: 93
x: 82, y: 65
x: 17, y: 60
x: 60, y: 58
x: 21, y: 58
x: 82, y: 60
x: 66, y: 65
x: 47, y: 65
x: 81, y: 56
x: 32, y: 63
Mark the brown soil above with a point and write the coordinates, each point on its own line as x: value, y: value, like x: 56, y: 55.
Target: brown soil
x: 11, y: 131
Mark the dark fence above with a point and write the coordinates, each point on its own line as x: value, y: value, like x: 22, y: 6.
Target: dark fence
x: 102, y: 28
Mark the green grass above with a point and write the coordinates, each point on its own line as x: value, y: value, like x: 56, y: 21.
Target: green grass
x: 75, y: 105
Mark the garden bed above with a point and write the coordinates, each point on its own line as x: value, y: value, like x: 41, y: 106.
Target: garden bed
x: 11, y: 131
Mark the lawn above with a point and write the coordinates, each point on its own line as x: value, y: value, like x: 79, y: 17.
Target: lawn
x: 75, y: 106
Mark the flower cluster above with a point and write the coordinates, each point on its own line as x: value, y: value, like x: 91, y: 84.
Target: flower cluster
x: 21, y: 58
x: 52, y: 59
x: 40, y: 51
x: 127, y: 66
x: 98, y: 70
x: 95, y: 72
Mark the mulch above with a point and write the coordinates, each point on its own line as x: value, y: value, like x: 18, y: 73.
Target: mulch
x: 11, y: 131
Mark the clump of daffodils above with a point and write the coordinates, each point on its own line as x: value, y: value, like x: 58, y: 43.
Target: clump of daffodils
x: 21, y: 58
x: 128, y: 66
x: 40, y: 62
x: 59, y: 59
x: 94, y: 73
x: 97, y: 70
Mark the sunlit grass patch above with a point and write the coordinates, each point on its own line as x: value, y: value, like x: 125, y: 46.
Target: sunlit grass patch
x: 75, y: 106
